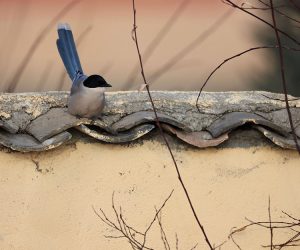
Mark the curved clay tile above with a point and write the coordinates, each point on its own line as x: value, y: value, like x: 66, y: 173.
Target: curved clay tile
x: 127, y: 136
x: 39, y: 121
x: 231, y: 121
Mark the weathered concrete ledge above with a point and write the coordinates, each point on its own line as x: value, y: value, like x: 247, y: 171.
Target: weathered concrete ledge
x: 39, y: 121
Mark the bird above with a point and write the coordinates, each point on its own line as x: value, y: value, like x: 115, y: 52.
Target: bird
x: 87, y: 95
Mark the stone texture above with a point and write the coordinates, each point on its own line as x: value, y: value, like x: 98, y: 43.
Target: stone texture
x: 36, y: 117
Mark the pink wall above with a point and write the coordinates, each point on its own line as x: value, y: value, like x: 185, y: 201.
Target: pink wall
x: 108, y: 48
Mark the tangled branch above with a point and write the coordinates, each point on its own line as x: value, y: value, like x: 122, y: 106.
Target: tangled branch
x: 291, y: 226
x: 136, y: 238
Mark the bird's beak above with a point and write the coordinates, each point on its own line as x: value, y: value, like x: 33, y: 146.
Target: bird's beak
x: 107, y: 85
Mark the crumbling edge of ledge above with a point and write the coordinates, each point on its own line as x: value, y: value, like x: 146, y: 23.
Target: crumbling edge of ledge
x: 40, y: 121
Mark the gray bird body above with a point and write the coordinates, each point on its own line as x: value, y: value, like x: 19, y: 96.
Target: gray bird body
x: 87, y: 98
x: 86, y: 102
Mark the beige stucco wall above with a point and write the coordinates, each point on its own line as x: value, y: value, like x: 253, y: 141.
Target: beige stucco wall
x: 52, y: 208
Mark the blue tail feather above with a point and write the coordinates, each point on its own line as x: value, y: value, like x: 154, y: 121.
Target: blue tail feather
x: 65, y: 58
x: 74, y: 50
x: 67, y: 50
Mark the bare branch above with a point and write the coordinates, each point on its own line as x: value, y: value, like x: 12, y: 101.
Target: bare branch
x: 105, y: 219
x: 283, y: 77
x: 129, y: 227
x: 264, y: 21
x: 279, y: 12
x: 154, y: 218
x: 114, y: 237
x: 194, y: 247
x: 135, y: 238
x: 252, y: 7
x: 219, y: 246
x: 135, y: 38
x: 177, y: 242
x: 275, y: 224
x: 232, y: 232
x: 296, y: 5
x: 233, y: 57
x: 287, y: 243
x: 270, y: 220
x: 271, y: 226
x: 292, y: 217
x: 162, y: 233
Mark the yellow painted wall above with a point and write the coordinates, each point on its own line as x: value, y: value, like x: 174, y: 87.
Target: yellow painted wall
x: 52, y: 208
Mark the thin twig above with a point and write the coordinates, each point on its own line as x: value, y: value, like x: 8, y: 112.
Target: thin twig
x: 194, y: 247
x: 271, y: 226
x: 270, y: 220
x: 221, y: 244
x: 114, y: 237
x: 127, y: 229
x: 284, y: 85
x: 289, y: 241
x: 280, y: 12
x: 177, y: 242
x: 292, y: 217
x: 233, y: 240
x: 105, y: 219
x: 264, y: 21
x: 154, y: 218
x: 128, y: 226
x: 232, y: 57
x: 35, y: 44
x: 295, y: 4
x: 136, y: 239
x: 279, y: 224
x: 252, y: 7
x: 162, y: 233
x: 135, y: 38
